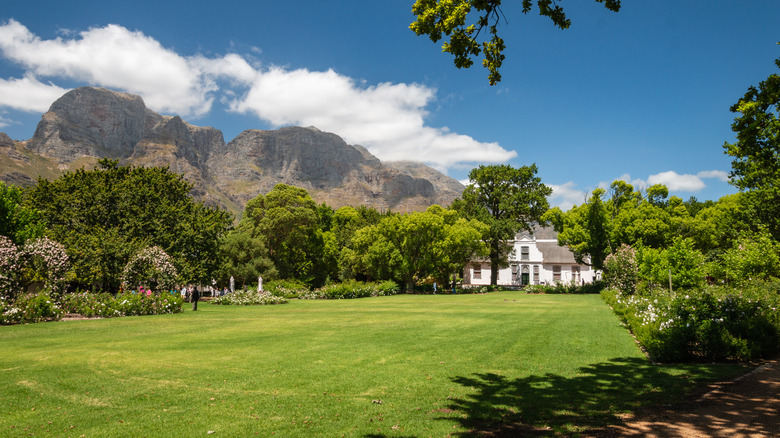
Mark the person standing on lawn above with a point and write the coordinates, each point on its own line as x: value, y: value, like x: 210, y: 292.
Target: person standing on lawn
x: 195, y: 298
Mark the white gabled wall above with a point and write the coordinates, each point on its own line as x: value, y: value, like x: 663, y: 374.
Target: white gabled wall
x: 535, y: 258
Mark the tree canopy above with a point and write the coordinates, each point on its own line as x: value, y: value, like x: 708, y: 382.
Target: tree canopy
x: 507, y: 200
x: 410, y: 247
x: 17, y: 221
x: 105, y: 215
x: 245, y: 258
x: 598, y: 227
x: 467, y: 31
x: 289, y: 223
x: 756, y: 164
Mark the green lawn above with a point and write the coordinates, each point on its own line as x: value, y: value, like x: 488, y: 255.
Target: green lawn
x: 405, y: 365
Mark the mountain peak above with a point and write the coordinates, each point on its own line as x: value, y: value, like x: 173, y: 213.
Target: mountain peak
x: 89, y: 123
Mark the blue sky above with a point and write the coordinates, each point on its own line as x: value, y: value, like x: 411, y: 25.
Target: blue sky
x: 641, y: 95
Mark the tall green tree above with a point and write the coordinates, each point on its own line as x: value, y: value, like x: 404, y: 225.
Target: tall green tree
x: 245, y: 258
x: 105, y: 215
x: 346, y: 222
x: 595, y: 229
x: 756, y: 153
x: 720, y: 224
x: 17, y: 221
x: 288, y: 220
x: 472, y: 27
x: 410, y: 247
x: 462, y: 243
x: 679, y: 260
x: 507, y: 200
x: 585, y: 230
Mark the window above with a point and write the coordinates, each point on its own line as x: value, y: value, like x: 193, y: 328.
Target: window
x: 514, y: 273
x: 524, y: 253
x: 477, y: 271
x: 536, y: 274
x: 557, y: 273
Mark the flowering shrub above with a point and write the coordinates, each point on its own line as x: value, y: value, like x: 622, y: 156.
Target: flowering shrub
x: 8, y: 313
x: 286, y: 288
x: 48, y: 261
x: 479, y: 289
x: 90, y: 304
x: 151, y: 266
x: 29, y: 308
x: 621, y: 270
x: 316, y: 294
x: 340, y: 291
x: 561, y: 288
x: 245, y: 298
x: 39, y: 260
x: 105, y: 305
x: 9, y: 268
x: 387, y: 288
x: 352, y: 289
x: 130, y: 304
x: 712, y: 324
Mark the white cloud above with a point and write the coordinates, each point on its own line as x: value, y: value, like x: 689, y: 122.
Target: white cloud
x: 717, y: 174
x: 673, y: 181
x: 28, y: 94
x: 637, y: 183
x: 114, y: 57
x: 676, y: 182
x: 388, y: 119
x: 566, y: 196
x: 4, y: 122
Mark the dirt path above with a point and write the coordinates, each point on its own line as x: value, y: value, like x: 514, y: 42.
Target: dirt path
x: 747, y: 407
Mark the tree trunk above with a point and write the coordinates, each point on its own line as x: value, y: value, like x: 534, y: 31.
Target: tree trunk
x: 495, y: 261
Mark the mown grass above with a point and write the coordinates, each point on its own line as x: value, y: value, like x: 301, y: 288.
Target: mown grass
x: 389, y: 366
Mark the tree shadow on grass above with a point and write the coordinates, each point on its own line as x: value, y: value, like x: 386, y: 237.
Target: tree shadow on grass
x: 540, y: 405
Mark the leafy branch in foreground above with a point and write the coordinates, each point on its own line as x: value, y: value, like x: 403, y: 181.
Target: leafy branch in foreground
x: 436, y: 18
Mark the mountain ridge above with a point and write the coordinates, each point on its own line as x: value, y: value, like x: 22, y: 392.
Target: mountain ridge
x: 88, y: 123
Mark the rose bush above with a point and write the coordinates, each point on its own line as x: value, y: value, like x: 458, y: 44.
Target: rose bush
x: 9, y: 268
x: 352, y: 289
x: 621, y: 269
x: 46, y: 261
x: 30, y: 308
x: 152, y: 267
x: 715, y: 323
x: 245, y: 298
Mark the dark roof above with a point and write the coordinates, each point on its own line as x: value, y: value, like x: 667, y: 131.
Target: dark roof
x: 553, y: 253
x: 539, y: 233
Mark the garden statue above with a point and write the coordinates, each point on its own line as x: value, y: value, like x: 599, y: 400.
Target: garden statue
x: 259, y: 284
x: 232, y: 284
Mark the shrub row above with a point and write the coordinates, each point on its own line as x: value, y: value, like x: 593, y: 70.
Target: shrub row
x: 106, y: 305
x: 30, y: 308
x: 246, y: 298
x: 352, y: 289
x: 290, y: 289
x: 715, y: 323
x: 561, y: 288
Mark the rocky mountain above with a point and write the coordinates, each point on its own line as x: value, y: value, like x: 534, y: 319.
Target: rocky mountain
x: 87, y: 124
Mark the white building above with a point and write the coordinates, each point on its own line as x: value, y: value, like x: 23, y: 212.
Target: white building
x: 535, y: 258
